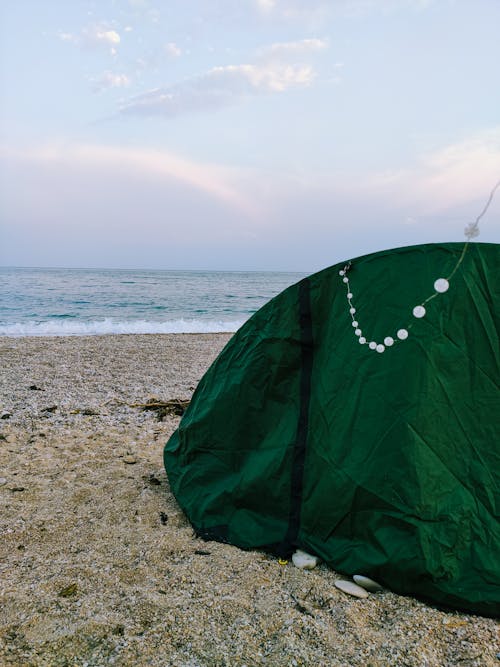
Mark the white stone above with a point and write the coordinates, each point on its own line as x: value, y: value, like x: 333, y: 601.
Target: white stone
x: 367, y: 583
x: 351, y: 588
x: 3, y: 481
x: 419, y: 311
x: 402, y: 334
x: 304, y: 561
x: 441, y: 285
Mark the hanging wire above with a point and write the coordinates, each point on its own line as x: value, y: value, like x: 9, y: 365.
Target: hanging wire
x: 472, y: 228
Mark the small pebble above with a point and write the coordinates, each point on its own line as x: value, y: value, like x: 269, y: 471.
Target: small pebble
x: 351, y: 588
x: 367, y: 583
x: 304, y: 561
x: 3, y: 481
x: 129, y: 459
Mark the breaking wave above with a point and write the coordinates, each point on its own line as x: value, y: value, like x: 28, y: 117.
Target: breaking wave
x: 110, y: 326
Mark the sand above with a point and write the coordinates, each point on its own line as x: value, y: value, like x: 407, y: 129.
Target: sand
x: 99, y: 566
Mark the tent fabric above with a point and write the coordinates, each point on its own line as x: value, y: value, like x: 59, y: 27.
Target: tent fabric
x: 384, y: 464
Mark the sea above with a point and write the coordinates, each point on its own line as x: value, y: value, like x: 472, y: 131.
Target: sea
x: 77, y: 302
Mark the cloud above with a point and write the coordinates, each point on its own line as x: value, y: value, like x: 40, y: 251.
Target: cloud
x: 277, y: 68
x: 159, y: 166
x: 100, y: 35
x: 219, y: 87
x: 321, y: 218
x: 265, y: 5
x: 312, y: 11
x: 453, y: 175
x: 110, y: 80
x: 69, y: 37
x: 93, y: 203
x: 361, y: 7
x: 86, y: 204
x: 97, y: 35
x: 266, y: 78
x: 292, y: 49
x: 172, y: 50
x: 317, y: 11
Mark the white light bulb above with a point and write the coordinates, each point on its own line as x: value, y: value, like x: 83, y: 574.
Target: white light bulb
x: 441, y: 285
x: 419, y: 311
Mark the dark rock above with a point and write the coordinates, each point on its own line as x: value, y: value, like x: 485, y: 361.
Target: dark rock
x: 154, y: 481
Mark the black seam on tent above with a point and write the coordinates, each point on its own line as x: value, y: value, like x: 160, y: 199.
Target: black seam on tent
x: 299, y: 452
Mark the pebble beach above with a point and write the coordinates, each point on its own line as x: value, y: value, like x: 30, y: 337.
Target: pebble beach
x: 99, y: 566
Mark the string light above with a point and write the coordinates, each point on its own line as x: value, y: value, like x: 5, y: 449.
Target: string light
x: 441, y: 285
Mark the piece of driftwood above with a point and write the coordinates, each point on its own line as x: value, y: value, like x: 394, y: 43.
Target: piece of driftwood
x: 175, y: 406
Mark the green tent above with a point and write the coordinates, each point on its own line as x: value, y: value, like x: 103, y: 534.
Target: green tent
x: 344, y: 421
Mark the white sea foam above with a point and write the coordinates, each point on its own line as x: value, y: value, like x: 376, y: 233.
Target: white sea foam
x: 110, y: 326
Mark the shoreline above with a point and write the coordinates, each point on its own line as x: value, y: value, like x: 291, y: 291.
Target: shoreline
x: 99, y: 566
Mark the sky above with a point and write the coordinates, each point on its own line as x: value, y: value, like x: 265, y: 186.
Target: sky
x: 244, y: 134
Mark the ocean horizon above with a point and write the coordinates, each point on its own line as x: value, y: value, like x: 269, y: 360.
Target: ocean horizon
x: 78, y: 301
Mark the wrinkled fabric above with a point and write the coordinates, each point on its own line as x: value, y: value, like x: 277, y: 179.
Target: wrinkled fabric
x: 400, y: 477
